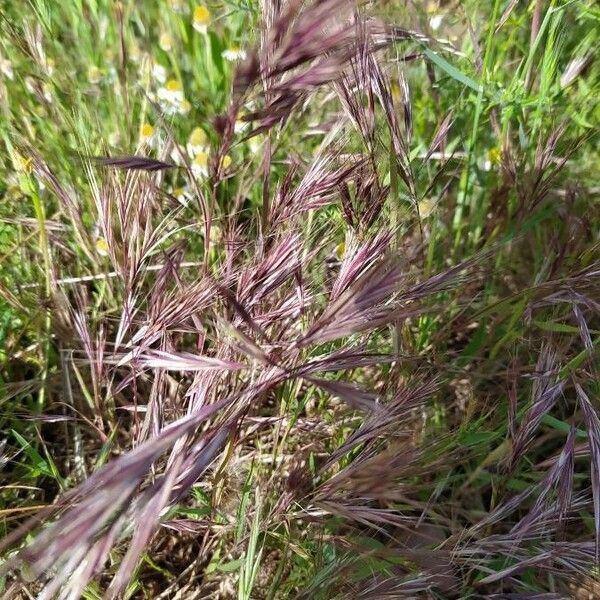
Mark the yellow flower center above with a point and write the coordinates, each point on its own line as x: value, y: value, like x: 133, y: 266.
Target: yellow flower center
x: 201, y: 159
x: 226, y: 162
x: 102, y: 246
x: 201, y: 15
x: 147, y: 130
x: 197, y: 137
x: 173, y: 85
x: 495, y: 155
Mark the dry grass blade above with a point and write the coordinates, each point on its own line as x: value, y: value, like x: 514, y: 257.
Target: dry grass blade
x: 546, y: 391
x: 349, y: 393
x: 100, y: 502
x: 592, y: 422
x: 134, y: 163
x: 183, y: 361
x: 379, y: 296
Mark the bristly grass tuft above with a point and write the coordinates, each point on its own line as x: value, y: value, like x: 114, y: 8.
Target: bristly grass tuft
x: 314, y: 315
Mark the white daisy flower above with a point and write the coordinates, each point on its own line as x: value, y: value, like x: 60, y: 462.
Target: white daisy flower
x: 148, y: 135
x: 201, y: 18
x: 197, y: 142
x: 171, y: 92
x: 183, y: 195
x: 165, y: 41
x: 171, y: 96
x: 200, y: 164
x: 233, y: 54
x: 102, y: 246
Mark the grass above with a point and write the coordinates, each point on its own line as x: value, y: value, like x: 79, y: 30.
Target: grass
x: 299, y: 301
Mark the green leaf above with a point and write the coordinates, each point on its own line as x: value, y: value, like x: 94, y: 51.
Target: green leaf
x: 196, y: 513
x: 474, y: 438
x: 556, y: 327
x: 443, y: 64
x: 104, y: 453
x: 477, y: 339
x: 216, y: 49
x: 40, y: 466
x: 518, y: 485
x: 230, y: 567
x: 562, y: 426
